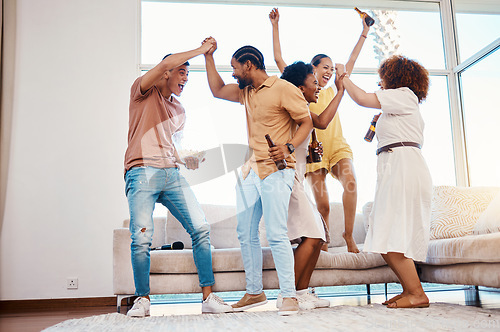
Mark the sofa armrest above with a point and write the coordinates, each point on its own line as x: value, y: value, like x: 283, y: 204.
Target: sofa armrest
x: 123, y: 279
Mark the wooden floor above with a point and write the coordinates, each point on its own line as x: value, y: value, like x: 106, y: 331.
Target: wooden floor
x: 37, y: 320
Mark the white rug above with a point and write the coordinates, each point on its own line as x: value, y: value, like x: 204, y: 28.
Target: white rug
x: 372, y: 318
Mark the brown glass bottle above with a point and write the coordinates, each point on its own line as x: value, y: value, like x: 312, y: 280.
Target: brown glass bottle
x: 314, y: 156
x: 371, y: 131
x: 281, y: 164
x: 368, y: 19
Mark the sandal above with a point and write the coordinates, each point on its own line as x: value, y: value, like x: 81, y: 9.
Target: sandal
x: 405, y: 303
x: 392, y: 299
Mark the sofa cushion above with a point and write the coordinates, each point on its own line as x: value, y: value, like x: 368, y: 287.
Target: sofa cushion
x: 337, y: 226
x: 229, y: 260
x: 222, y: 220
x: 223, y: 260
x: 339, y: 258
x: 466, y: 249
x: 489, y: 221
x: 455, y: 210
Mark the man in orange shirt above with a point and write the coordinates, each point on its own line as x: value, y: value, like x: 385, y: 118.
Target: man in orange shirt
x: 278, y: 108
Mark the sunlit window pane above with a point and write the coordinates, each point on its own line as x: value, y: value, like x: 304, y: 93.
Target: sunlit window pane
x: 438, y: 140
x: 475, y: 31
x: 305, y: 32
x: 482, y: 116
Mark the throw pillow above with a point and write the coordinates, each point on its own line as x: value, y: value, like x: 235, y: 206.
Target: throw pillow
x: 455, y: 210
x: 489, y: 221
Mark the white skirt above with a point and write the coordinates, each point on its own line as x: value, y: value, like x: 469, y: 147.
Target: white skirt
x: 401, y: 213
x: 304, y: 219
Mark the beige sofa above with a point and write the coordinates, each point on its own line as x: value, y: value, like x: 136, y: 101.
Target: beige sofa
x: 465, y: 260
x: 173, y: 271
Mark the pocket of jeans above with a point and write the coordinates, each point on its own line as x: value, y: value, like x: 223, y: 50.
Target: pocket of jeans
x: 134, y: 176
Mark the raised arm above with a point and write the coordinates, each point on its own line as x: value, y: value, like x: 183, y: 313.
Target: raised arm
x: 219, y: 89
x: 358, y: 95
x: 323, y: 120
x: 274, y: 16
x: 357, y: 48
x: 167, y: 64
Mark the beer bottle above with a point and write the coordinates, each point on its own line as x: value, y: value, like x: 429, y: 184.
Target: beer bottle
x: 369, y: 21
x: 314, y: 156
x: 371, y: 131
x: 281, y: 164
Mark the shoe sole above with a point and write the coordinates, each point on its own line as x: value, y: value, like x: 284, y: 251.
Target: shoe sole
x: 219, y: 312
x: 288, y: 313
x: 249, y: 306
x: 139, y: 316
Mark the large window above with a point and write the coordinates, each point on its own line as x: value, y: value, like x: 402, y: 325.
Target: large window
x: 305, y: 31
x: 475, y: 31
x: 479, y: 78
x: 482, y: 116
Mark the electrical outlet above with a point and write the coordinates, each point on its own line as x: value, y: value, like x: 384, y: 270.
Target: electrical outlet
x: 72, y: 283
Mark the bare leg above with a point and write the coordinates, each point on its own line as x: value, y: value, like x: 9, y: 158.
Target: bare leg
x: 344, y: 172
x: 206, y: 291
x: 306, y: 256
x: 317, y: 181
x: 405, y: 270
x: 401, y: 281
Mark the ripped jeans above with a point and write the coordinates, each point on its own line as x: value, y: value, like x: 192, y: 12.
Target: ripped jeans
x: 146, y: 186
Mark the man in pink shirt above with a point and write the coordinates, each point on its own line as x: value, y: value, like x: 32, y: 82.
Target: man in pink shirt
x: 152, y: 175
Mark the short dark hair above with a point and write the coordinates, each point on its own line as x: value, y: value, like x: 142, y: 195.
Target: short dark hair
x: 169, y: 54
x: 297, y: 73
x: 252, y: 54
x: 317, y: 59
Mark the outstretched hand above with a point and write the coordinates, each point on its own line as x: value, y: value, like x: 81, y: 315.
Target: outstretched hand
x: 274, y: 16
x: 340, y: 73
x: 211, y: 43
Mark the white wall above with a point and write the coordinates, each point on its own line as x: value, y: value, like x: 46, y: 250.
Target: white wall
x: 75, y: 62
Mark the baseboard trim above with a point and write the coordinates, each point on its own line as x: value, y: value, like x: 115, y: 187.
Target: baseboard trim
x: 54, y: 304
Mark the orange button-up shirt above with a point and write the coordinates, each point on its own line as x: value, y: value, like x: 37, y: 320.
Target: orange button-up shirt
x: 272, y: 109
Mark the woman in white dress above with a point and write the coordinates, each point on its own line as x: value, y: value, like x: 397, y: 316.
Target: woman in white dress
x: 398, y: 226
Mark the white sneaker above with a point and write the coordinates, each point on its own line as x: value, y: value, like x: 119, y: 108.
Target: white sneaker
x: 304, y: 301
x: 215, y: 305
x: 140, y: 308
x: 318, y: 302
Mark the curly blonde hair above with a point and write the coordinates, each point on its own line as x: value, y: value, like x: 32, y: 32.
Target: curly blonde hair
x: 399, y: 71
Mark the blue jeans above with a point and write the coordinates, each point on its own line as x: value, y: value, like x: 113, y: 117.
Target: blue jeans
x: 269, y: 197
x: 144, y: 187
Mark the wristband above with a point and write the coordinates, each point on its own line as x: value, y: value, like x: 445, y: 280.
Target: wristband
x: 363, y: 36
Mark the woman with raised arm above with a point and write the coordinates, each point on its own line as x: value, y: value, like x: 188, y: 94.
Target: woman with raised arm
x: 337, y: 155
x: 399, y: 224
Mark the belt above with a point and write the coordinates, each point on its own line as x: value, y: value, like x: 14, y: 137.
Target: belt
x: 388, y: 148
